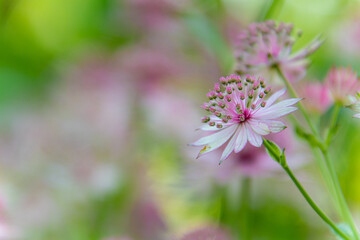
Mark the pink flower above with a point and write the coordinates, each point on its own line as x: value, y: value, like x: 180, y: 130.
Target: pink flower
x: 342, y: 83
x: 317, y: 97
x: 262, y: 46
x: 239, y: 113
x: 207, y: 233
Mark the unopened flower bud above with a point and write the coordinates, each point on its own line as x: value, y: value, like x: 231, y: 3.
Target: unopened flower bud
x: 228, y: 90
x: 205, y: 119
x: 267, y: 90
x: 217, y: 87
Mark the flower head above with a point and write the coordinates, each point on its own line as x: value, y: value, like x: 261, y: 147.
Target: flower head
x: 317, y: 97
x: 266, y: 45
x: 241, y: 110
x: 342, y: 82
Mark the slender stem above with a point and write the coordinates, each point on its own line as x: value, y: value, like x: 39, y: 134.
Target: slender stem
x: 341, y: 199
x: 332, y: 124
x: 345, y: 212
x: 246, y: 208
x: 313, y: 204
x: 301, y: 106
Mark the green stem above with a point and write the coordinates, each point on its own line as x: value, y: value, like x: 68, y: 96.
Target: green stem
x: 301, y: 106
x: 346, y: 214
x: 332, y: 124
x: 313, y: 204
x: 246, y: 208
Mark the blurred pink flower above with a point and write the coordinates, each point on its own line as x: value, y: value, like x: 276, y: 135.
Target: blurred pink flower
x: 146, y: 221
x: 239, y: 113
x: 152, y: 13
x: 164, y: 107
x: 345, y: 36
x: 262, y: 46
x: 342, y: 82
x: 207, y: 233
x: 317, y: 97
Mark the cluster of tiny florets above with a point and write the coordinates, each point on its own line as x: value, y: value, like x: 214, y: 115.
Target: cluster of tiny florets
x: 234, y: 99
x: 263, y: 42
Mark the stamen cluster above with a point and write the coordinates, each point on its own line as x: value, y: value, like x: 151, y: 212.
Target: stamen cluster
x: 234, y: 99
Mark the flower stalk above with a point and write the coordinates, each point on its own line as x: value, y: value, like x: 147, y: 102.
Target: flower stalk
x: 278, y: 155
x: 246, y: 208
x: 323, y: 146
x: 313, y: 205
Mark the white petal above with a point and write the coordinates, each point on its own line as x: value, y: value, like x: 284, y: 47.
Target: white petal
x: 230, y: 147
x: 259, y: 127
x: 275, y: 97
x: 275, y: 126
x: 207, y: 127
x: 241, y: 139
x: 355, y: 107
x: 357, y: 115
x: 223, y: 134
x: 254, y: 138
x: 285, y: 103
x: 267, y: 114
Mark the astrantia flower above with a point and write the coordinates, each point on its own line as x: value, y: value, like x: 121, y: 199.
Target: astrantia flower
x: 317, y: 97
x: 342, y: 82
x: 264, y: 46
x: 240, y: 110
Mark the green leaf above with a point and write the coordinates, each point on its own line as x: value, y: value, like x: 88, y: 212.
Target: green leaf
x: 273, y: 150
x: 283, y: 158
x: 308, y: 137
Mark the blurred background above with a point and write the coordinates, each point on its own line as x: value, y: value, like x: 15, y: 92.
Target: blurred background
x: 99, y: 99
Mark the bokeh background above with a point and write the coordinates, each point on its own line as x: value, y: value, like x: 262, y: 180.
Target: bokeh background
x: 99, y: 98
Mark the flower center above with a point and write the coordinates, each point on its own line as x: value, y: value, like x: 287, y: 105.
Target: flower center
x: 240, y: 118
